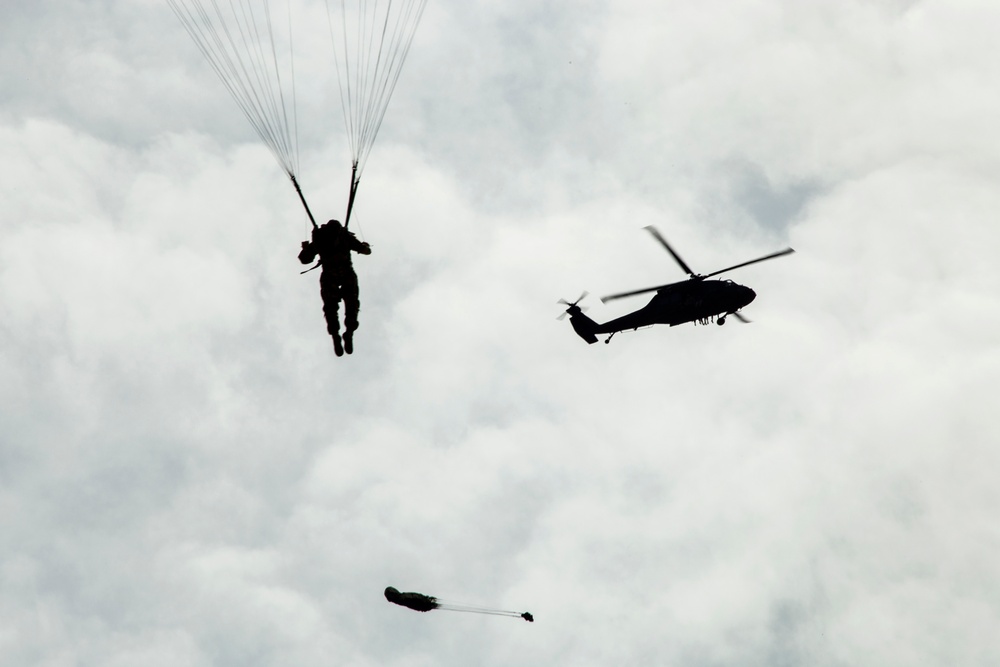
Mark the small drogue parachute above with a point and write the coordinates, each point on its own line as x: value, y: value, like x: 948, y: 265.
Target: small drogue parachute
x: 251, y: 49
x: 421, y: 602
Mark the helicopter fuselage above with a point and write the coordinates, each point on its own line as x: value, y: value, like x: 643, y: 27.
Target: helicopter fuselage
x: 693, y: 301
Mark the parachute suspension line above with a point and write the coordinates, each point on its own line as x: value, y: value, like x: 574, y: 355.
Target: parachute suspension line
x: 257, y: 62
x: 207, y: 36
x: 295, y: 108
x: 255, y: 47
x: 344, y: 83
x: 471, y: 609
x: 345, y: 100
x: 369, y: 59
x: 365, y: 110
x: 399, y: 42
x: 234, y: 45
x: 277, y: 111
x: 273, y: 103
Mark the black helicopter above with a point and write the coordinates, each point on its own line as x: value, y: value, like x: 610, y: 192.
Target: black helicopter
x: 693, y: 300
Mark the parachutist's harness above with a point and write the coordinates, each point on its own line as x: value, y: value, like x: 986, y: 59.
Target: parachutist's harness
x: 355, y: 180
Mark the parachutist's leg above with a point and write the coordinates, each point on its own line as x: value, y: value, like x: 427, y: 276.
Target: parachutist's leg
x: 352, y: 304
x: 330, y: 291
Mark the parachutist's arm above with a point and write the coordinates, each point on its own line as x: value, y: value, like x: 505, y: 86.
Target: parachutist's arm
x: 360, y: 247
x: 308, y: 253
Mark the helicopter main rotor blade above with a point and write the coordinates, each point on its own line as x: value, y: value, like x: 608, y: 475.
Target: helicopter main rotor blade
x: 622, y: 295
x: 786, y: 251
x: 677, y: 258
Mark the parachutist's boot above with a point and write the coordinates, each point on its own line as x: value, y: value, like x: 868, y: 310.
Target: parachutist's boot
x: 336, y: 345
x: 349, y: 342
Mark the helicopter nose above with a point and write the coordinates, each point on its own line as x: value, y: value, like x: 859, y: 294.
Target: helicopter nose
x: 750, y: 295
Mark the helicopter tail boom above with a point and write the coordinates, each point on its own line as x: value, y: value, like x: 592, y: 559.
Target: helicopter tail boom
x: 584, y: 327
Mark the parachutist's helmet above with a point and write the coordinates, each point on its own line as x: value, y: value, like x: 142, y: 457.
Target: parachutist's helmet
x: 336, y: 223
x: 391, y: 594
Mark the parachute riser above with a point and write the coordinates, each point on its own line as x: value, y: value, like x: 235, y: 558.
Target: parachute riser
x: 303, y: 198
x: 350, y: 198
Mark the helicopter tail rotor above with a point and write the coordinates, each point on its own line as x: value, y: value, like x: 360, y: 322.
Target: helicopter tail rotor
x: 584, y: 326
x: 572, y: 308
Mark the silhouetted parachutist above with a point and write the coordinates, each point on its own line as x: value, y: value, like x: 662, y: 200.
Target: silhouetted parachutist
x: 421, y: 602
x: 337, y: 281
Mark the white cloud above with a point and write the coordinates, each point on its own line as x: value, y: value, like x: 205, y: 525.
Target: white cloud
x: 190, y: 477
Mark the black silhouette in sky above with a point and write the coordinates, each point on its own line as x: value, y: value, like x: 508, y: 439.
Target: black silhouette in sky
x: 693, y: 300
x: 414, y: 601
x: 421, y: 602
x: 337, y: 282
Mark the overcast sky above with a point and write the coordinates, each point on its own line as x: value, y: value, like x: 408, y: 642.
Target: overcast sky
x: 189, y: 477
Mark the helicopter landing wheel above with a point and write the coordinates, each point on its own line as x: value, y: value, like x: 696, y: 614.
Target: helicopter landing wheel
x: 721, y: 320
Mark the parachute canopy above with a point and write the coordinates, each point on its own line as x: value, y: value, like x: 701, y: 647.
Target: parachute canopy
x: 421, y: 602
